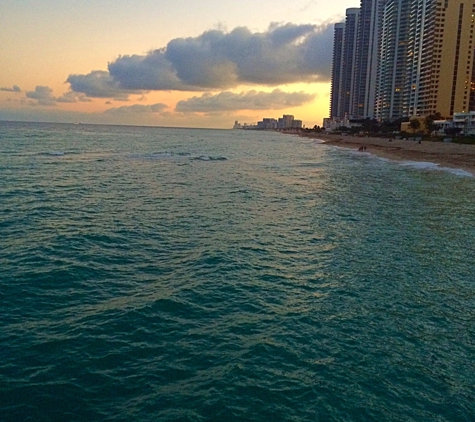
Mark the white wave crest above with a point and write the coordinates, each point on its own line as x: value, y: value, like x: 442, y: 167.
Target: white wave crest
x: 425, y: 165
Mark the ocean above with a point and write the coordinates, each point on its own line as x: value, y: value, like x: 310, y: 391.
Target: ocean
x: 155, y: 274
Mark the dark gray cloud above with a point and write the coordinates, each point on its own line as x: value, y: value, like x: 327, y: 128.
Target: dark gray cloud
x: 150, y: 72
x: 43, y: 94
x: 251, y: 100
x: 218, y: 60
x: 138, y: 108
x: 14, y: 88
x: 72, y: 97
x: 98, y: 84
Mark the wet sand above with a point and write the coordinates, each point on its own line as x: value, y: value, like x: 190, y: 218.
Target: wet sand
x: 445, y: 154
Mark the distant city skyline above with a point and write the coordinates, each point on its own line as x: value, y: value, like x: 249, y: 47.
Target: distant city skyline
x: 181, y: 63
x: 286, y: 122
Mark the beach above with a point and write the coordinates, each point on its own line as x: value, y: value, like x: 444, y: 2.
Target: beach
x: 443, y: 153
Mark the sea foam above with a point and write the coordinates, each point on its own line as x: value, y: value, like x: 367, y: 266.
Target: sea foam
x: 426, y: 165
x: 416, y: 165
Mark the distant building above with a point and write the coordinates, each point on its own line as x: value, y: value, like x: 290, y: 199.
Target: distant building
x: 297, y: 124
x: 285, y: 122
x: 238, y: 125
x: 336, y: 124
x: 463, y: 122
x: 267, y: 123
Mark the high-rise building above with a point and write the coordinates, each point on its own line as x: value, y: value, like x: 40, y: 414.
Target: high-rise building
x: 471, y: 103
x: 285, y: 122
x: 402, y: 58
x: 391, y: 80
x: 441, y: 55
x: 335, y: 94
x: 348, y: 61
x: 417, y: 25
x: 366, y: 60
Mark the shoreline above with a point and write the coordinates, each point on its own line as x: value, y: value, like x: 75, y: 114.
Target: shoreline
x: 457, y: 156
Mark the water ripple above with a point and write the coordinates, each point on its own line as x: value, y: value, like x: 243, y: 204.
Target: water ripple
x: 161, y: 274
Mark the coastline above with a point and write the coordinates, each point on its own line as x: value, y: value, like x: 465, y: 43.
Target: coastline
x: 457, y: 156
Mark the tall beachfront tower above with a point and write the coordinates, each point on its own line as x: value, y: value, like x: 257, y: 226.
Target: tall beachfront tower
x: 335, y: 94
x: 440, y: 71
x: 403, y: 58
x: 418, y: 27
x: 367, y: 58
x: 348, y: 61
x: 391, y: 80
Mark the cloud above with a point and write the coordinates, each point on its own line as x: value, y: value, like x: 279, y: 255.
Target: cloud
x: 15, y: 88
x: 138, y: 108
x: 72, y: 97
x: 218, y: 60
x: 43, y: 94
x: 251, y: 100
x: 151, y: 72
x: 98, y: 84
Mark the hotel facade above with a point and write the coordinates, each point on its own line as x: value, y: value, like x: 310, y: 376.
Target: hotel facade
x: 409, y: 58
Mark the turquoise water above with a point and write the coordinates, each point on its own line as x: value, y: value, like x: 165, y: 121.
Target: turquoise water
x: 192, y: 275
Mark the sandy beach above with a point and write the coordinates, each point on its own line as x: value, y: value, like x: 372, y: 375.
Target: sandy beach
x: 445, y: 154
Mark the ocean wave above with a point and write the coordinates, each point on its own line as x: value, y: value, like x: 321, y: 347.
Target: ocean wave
x: 426, y: 165
x: 152, y: 156
x: 176, y: 156
x: 209, y: 158
x: 53, y: 153
x: 260, y: 288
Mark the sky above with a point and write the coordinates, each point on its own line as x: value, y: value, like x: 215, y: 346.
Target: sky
x: 180, y: 63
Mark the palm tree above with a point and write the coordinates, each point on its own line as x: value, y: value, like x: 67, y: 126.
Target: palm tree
x: 414, y: 124
x: 429, y: 122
